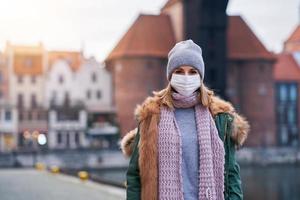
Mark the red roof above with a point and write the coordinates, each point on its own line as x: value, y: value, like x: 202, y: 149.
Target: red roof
x: 27, y: 60
x: 153, y: 35
x: 286, y: 68
x: 150, y: 35
x: 292, y: 43
x: 243, y: 43
x: 74, y: 58
x: 295, y: 36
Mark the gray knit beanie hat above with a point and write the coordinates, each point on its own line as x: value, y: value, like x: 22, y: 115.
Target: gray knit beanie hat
x: 185, y: 53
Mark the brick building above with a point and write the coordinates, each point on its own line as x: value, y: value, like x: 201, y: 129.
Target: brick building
x: 287, y: 81
x: 138, y: 63
x: 250, y: 81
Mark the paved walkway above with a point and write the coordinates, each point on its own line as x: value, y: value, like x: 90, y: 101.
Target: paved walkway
x: 30, y: 184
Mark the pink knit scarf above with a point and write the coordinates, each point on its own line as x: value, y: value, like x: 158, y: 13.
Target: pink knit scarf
x: 211, y: 152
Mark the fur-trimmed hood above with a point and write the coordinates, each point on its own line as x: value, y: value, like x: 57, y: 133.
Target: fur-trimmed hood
x: 151, y: 105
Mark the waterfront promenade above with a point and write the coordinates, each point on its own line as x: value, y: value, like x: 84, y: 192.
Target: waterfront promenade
x: 31, y: 184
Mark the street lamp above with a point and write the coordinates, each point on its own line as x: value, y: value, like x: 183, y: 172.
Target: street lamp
x: 35, y: 138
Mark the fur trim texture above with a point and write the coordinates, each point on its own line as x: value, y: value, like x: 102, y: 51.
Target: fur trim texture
x: 127, y: 142
x: 151, y: 105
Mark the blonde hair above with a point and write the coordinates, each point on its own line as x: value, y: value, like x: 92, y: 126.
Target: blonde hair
x: 206, y: 95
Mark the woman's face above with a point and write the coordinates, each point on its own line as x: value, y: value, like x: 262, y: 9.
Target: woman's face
x: 185, y: 70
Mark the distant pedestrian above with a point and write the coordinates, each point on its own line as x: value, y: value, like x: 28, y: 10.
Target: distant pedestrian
x: 184, y: 145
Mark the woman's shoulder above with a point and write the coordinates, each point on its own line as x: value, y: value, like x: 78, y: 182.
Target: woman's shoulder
x: 237, y: 125
x: 240, y: 126
x: 152, y: 104
x: 219, y: 105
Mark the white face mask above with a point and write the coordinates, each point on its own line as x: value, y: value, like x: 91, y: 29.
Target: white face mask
x: 185, y: 84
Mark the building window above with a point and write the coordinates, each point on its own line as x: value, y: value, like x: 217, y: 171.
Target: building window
x: 33, y: 101
x: 88, y: 94
x: 29, y: 115
x: 53, y: 97
x: 67, y: 99
x: 20, y: 79
x: 33, y: 79
x: 61, y: 79
x: 67, y: 140
x: 21, y: 116
x: 77, y: 139
x: 20, y: 101
x: 94, y: 77
x: 287, y: 113
x: 59, y: 138
x: 98, y: 94
x: 293, y: 93
x: 38, y: 115
x: 7, y: 115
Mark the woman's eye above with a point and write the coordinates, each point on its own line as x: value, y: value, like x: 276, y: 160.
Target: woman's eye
x: 178, y: 72
x: 193, y: 72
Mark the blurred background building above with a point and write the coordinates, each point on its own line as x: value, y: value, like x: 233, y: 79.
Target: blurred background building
x: 54, y: 99
x: 249, y: 76
x: 287, y: 78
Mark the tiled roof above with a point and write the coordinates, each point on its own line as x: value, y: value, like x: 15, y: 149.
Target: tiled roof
x: 150, y: 35
x: 25, y: 49
x: 295, y: 36
x: 27, y: 60
x: 243, y: 43
x: 74, y: 58
x: 292, y: 44
x: 286, y: 68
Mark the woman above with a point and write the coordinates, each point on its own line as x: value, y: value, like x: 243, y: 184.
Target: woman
x: 184, y: 145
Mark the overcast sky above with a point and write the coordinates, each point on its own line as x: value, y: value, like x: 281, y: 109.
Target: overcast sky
x: 97, y: 25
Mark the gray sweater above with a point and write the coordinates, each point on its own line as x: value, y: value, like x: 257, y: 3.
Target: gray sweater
x: 186, y: 121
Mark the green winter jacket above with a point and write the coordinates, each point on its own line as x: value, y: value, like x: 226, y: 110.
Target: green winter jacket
x: 232, y: 180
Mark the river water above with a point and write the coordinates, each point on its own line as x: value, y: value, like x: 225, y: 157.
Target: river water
x: 272, y: 182
x: 259, y: 183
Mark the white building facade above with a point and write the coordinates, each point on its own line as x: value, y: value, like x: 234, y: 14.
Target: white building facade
x: 90, y: 85
x: 89, y: 88
x: 67, y: 132
x: 60, y: 83
x: 94, y: 86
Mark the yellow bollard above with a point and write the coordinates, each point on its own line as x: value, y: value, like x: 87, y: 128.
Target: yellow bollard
x: 55, y: 169
x: 40, y: 166
x: 83, y: 175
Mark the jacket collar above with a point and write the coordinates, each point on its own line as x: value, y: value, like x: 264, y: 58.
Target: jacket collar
x: 151, y: 105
